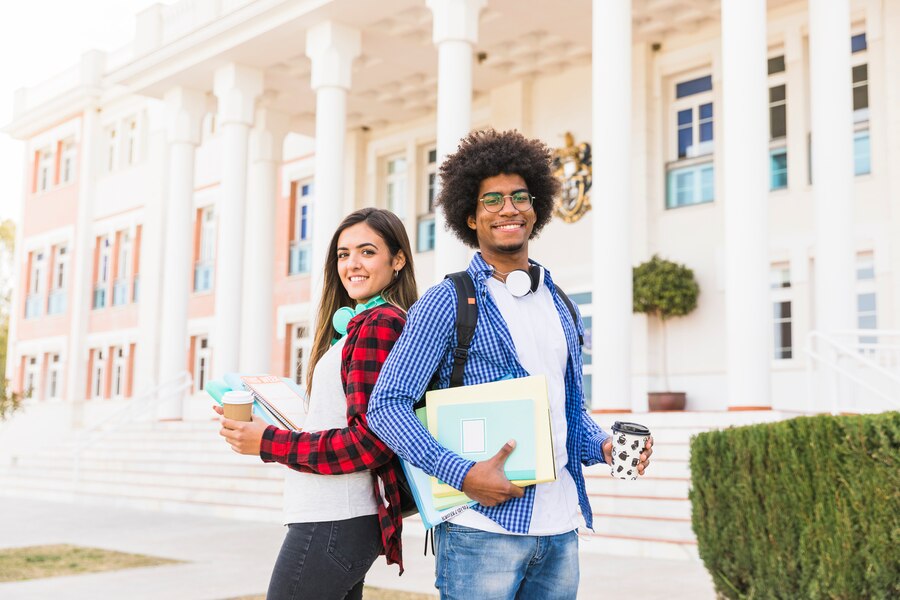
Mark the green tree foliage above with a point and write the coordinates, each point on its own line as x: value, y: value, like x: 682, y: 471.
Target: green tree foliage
x: 805, y: 508
x: 8, y: 401
x: 663, y: 289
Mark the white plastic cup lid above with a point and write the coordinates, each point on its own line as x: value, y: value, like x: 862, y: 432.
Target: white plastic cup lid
x: 237, y: 397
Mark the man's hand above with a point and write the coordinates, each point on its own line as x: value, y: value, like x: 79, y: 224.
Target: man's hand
x: 643, y: 463
x: 486, y: 483
x: 244, y: 437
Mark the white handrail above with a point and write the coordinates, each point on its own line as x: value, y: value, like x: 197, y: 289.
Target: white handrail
x: 134, y: 409
x: 844, y: 351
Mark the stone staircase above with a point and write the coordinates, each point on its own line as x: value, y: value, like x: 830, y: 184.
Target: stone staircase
x: 186, y: 467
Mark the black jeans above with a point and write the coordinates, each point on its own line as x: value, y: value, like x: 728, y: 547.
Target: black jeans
x: 325, y: 560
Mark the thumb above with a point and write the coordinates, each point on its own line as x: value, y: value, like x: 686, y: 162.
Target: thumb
x: 504, y: 452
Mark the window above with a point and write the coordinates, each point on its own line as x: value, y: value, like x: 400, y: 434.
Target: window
x: 111, y: 148
x: 783, y: 338
x: 300, y: 249
x: 56, y: 303
x: 778, y: 168
x: 299, y: 351
x: 425, y: 221
x: 201, y: 363
x: 584, y: 302
x: 395, y: 186
x: 67, y: 163
x: 123, y: 269
x: 690, y: 185
x: 860, y: 76
x: 98, y: 373
x: 36, y: 275
x: 119, y: 370
x: 131, y: 141
x: 45, y: 170
x: 203, y: 268
x: 777, y: 124
x: 101, y: 280
x: 54, y: 377
x: 690, y: 178
x: 866, y: 298
x: 32, y: 373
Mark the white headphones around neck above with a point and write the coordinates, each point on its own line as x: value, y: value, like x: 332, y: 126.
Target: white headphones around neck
x: 520, y: 281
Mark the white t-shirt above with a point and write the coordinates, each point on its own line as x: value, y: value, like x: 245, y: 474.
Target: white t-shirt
x: 540, y: 344
x: 310, y: 497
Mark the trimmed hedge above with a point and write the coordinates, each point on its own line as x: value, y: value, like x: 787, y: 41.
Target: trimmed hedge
x: 804, y: 508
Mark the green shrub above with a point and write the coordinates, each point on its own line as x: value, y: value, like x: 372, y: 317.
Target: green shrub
x: 805, y: 508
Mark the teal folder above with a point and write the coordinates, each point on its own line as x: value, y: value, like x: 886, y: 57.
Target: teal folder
x: 478, y: 430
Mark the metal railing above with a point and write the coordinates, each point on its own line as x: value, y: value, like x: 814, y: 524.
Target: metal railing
x: 854, y: 371
x: 168, y: 391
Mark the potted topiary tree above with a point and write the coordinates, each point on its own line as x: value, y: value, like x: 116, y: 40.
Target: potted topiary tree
x: 664, y: 289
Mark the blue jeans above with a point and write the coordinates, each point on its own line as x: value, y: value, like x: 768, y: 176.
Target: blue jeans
x: 471, y: 563
x: 326, y: 560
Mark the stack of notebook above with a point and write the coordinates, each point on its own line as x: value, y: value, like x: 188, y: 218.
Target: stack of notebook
x: 278, y: 400
x: 474, y: 422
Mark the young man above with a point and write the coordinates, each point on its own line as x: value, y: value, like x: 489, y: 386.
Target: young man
x: 497, y: 192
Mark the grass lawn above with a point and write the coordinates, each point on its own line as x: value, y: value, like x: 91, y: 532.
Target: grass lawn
x: 36, y: 562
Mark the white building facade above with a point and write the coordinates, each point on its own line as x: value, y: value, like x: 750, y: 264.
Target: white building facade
x: 180, y: 191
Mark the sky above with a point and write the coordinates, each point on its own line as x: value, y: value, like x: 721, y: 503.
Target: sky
x: 38, y: 39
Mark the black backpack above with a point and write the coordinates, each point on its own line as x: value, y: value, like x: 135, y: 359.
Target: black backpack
x: 466, y: 320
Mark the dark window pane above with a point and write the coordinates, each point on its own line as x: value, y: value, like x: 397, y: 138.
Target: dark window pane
x: 776, y: 93
x: 782, y: 310
x: 432, y: 156
x: 858, y: 43
x: 778, y: 172
x: 861, y: 97
x: 776, y: 65
x: 785, y: 331
x: 684, y: 141
x: 694, y: 86
x: 685, y: 116
x: 778, y: 121
x: 706, y: 132
x: 860, y: 73
x: 706, y: 110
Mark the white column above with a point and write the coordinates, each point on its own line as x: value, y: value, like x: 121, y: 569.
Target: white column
x: 332, y: 48
x: 611, y: 271
x: 257, y: 320
x: 748, y: 313
x: 184, y: 112
x: 92, y: 67
x: 832, y: 163
x: 455, y: 32
x: 151, y: 252
x: 236, y: 88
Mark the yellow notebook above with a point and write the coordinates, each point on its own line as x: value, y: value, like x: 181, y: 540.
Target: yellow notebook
x: 526, y: 391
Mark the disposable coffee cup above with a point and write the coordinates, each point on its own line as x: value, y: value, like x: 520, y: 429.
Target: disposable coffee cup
x: 238, y: 405
x: 628, y: 441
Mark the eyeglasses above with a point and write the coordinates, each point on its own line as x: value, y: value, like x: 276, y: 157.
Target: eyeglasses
x: 495, y: 201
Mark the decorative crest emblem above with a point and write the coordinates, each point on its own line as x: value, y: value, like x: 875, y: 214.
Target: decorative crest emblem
x: 572, y: 166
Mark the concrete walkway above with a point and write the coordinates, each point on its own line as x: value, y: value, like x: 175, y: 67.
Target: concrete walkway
x: 228, y: 559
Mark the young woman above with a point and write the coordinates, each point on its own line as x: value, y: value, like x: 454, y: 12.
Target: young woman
x: 342, y: 501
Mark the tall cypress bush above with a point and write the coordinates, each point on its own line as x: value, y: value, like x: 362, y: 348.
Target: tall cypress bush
x: 804, y: 508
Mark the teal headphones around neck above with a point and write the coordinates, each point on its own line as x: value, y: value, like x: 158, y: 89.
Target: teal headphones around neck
x: 342, y: 316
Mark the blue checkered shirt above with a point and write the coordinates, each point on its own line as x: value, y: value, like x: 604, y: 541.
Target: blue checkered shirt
x: 426, y: 346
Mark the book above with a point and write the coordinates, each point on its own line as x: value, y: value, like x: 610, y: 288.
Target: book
x: 516, y: 409
x: 432, y: 511
x: 292, y: 410
x: 281, y: 400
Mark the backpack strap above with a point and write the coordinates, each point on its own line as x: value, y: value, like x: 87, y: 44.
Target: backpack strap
x: 571, y: 308
x: 466, y: 319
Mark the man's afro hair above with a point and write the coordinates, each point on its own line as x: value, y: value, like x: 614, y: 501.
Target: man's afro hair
x: 484, y: 154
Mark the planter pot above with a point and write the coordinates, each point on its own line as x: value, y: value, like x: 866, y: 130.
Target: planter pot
x: 666, y: 400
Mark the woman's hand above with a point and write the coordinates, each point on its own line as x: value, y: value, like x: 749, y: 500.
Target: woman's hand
x: 244, y: 437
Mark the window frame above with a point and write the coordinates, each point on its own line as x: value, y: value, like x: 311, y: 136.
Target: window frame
x: 780, y: 293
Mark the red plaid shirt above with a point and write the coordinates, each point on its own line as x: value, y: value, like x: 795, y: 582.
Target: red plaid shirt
x: 370, y: 336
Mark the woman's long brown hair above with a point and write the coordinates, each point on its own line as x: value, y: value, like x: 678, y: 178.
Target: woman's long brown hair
x: 401, y: 291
